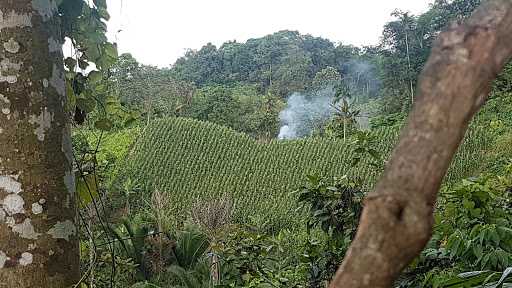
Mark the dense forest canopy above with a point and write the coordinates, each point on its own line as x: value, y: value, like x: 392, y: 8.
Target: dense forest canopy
x: 206, y: 84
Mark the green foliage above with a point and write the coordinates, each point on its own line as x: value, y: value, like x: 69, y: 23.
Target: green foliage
x: 117, y: 143
x: 241, y: 86
x: 344, y: 120
x: 85, y: 25
x: 405, y: 47
x: 387, y: 120
x: 241, y: 108
x: 190, y: 160
x: 475, y: 223
x: 287, y: 62
x: 471, y: 156
x: 188, y: 279
x: 86, y: 188
x: 504, y: 81
x: 98, y: 155
x: 472, y: 233
x: 131, y: 238
x: 144, y: 284
x: 187, y: 265
x: 163, y: 259
x: 335, y: 207
x: 250, y: 258
x: 151, y: 91
x: 155, y: 93
x: 496, y: 118
x: 125, y: 269
x: 365, y: 144
x: 327, y: 77
x: 478, y: 279
x: 191, y: 246
x: 283, y: 62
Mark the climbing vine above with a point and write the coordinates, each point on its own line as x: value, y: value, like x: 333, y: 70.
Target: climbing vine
x: 83, y: 24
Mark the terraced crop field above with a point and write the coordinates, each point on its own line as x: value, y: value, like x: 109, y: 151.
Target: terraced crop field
x: 195, y: 161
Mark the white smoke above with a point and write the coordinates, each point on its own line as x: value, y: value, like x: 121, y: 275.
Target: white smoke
x: 361, y: 77
x: 305, y: 112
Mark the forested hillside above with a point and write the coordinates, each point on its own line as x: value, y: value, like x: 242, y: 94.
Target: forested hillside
x: 258, y: 163
x: 204, y: 153
x: 246, y: 85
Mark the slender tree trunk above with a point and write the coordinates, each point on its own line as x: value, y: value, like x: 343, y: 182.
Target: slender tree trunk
x: 92, y: 254
x: 411, y: 86
x: 344, y: 129
x: 148, y: 109
x: 127, y: 204
x: 397, y: 218
x: 38, y: 239
x: 270, y: 76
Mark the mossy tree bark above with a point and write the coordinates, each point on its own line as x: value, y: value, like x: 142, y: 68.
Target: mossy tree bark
x: 38, y: 238
x: 397, y: 218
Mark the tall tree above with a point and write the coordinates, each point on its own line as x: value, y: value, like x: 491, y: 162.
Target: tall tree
x: 407, y: 23
x: 397, y: 219
x: 38, y: 239
x: 328, y: 77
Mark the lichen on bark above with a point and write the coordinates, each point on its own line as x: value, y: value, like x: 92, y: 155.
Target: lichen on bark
x: 35, y: 171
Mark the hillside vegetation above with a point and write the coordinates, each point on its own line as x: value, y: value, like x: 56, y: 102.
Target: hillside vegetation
x: 192, y: 160
x: 183, y: 182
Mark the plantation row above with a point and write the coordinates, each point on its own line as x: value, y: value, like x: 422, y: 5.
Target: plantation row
x: 193, y: 160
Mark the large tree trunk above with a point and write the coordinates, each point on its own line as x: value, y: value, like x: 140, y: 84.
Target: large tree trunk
x: 397, y: 219
x: 38, y: 239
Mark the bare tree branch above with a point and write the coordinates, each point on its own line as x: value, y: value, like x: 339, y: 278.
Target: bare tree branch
x: 397, y: 220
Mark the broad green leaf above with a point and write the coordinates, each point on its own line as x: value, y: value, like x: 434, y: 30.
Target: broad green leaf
x: 86, y: 188
x: 104, y: 13
x: 111, y: 50
x: 94, y: 77
x: 103, y: 124
x: 86, y: 104
x: 71, y: 97
x: 82, y: 63
x: 477, y: 250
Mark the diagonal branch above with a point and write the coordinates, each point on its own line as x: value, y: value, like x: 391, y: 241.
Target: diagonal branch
x: 397, y: 219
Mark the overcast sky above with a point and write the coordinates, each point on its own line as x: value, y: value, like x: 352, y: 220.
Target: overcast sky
x: 157, y: 32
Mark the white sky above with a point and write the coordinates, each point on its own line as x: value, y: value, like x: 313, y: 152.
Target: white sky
x: 157, y: 32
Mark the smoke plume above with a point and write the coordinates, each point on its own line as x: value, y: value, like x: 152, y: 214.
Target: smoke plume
x: 361, y: 78
x: 305, y: 112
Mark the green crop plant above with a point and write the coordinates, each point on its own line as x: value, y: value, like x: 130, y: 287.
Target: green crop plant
x: 194, y: 160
